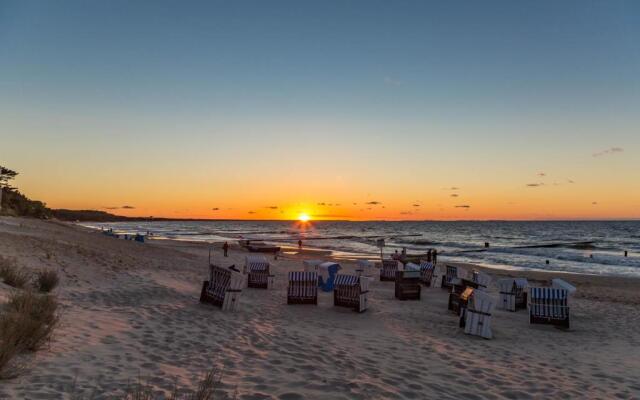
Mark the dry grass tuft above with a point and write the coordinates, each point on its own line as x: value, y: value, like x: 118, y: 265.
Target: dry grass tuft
x: 11, y: 274
x: 47, y: 280
x: 29, y: 319
x: 27, y: 323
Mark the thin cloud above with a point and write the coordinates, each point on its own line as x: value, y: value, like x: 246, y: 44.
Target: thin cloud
x: 535, y: 184
x: 272, y: 207
x: 251, y: 212
x: 541, y: 174
x: 322, y: 204
x: 463, y: 206
x: 451, y: 188
x: 416, y: 205
x: 373, y: 203
x: 390, y: 81
x: 570, y: 181
x: 611, y: 150
x: 215, y: 209
x: 595, y: 203
x: 120, y: 208
x: 405, y: 213
x: 454, y: 195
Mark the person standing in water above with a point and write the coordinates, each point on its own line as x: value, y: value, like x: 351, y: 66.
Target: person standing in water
x: 225, y: 247
x: 300, y: 244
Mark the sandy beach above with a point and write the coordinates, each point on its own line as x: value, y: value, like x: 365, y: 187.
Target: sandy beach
x: 131, y: 309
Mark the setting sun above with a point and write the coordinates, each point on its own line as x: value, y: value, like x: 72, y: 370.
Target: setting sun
x: 303, y: 218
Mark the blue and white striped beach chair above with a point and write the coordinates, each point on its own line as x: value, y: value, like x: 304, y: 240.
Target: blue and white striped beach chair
x: 303, y: 288
x: 426, y: 272
x: 351, y: 291
x: 549, y: 305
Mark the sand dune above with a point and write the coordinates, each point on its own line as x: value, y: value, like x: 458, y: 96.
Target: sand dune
x: 132, y: 308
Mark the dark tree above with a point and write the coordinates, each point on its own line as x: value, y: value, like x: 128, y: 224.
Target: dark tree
x: 6, y: 175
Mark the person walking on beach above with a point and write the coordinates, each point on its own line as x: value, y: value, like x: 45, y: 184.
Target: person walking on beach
x: 404, y: 252
x: 300, y: 244
x: 435, y: 256
x: 225, y: 247
x: 429, y: 255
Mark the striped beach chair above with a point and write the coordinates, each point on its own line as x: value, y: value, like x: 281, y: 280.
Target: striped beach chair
x: 303, y: 287
x: 450, y: 274
x: 548, y: 305
x: 512, y: 293
x: 388, y: 270
x: 476, y: 316
x: 426, y: 272
x: 258, y: 275
x: 351, y: 291
x: 481, y: 279
x: 223, y: 289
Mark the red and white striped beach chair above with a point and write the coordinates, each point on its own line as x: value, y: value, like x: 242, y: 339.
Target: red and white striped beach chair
x: 223, y: 289
x: 351, y: 291
x: 389, y: 269
x: 548, y: 305
x: 303, y: 288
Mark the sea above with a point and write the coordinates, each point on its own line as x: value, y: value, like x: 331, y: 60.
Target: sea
x: 588, y: 247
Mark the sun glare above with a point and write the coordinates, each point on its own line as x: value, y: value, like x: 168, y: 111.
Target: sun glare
x: 303, y: 218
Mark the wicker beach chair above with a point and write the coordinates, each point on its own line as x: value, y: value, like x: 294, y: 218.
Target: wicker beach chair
x: 303, y: 288
x: 512, y: 293
x: 476, y: 314
x: 481, y: 279
x: 408, y: 283
x: 426, y: 272
x: 450, y: 275
x: 223, y: 289
x: 258, y: 275
x: 388, y: 270
x: 549, y: 305
x: 351, y: 291
x: 364, y: 267
x: 311, y: 265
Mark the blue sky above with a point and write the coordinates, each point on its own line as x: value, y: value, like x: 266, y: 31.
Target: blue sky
x: 470, y: 83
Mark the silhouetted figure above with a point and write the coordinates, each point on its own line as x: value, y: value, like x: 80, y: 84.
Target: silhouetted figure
x: 429, y: 255
x: 300, y: 244
x: 435, y: 256
x: 225, y: 247
x: 404, y: 251
x: 625, y: 253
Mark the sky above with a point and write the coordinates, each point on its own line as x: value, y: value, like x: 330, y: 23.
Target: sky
x: 355, y: 110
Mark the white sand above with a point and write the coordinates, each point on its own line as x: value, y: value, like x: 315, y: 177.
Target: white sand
x: 132, y: 308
